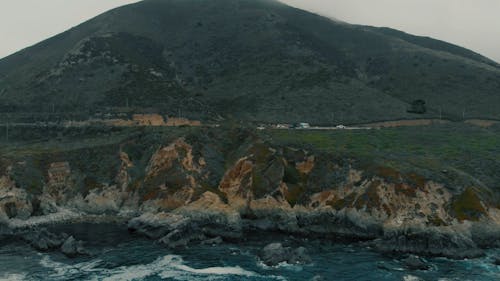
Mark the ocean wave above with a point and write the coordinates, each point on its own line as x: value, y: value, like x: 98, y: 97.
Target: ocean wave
x: 62, y: 270
x: 282, y: 265
x: 166, y: 267
x: 13, y: 277
x: 411, y: 278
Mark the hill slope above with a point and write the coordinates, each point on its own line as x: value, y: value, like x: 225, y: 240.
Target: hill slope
x: 256, y: 60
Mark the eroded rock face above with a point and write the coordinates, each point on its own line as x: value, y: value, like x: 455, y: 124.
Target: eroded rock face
x: 448, y: 242
x: 14, y: 202
x: 265, y: 188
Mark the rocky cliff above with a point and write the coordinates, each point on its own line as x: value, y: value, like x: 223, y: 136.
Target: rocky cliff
x: 203, y: 185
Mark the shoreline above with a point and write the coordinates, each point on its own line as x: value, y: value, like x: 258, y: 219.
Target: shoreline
x: 181, y: 232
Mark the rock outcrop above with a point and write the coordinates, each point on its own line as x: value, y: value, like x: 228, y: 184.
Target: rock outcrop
x: 73, y: 248
x: 413, y: 262
x: 190, y: 190
x: 275, y: 254
x: 452, y: 243
x: 44, y: 240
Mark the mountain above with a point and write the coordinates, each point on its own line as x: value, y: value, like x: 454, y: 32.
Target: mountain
x: 254, y: 60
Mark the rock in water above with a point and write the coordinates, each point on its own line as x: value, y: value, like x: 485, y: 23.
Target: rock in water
x: 300, y: 256
x: 181, y: 238
x: 415, y: 263
x: 43, y: 240
x: 73, y: 248
x: 213, y: 241
x: 274, y: 254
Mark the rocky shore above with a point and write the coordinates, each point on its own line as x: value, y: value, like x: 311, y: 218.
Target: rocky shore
x: 188, y: 192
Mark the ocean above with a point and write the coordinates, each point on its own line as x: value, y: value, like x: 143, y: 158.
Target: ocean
x: 118, y: 255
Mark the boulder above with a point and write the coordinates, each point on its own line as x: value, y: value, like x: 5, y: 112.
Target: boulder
x: 44, y: 240
x: 300, y: 256
x: 181, y: 239
x: 274, y: 254
x: 213, y: 241
x: 413, y: 262
x: 73, y: 248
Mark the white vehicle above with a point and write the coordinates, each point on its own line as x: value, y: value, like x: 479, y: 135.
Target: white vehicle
x: 304, y: 126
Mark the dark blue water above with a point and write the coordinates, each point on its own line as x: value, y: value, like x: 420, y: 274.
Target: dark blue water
x: 119, y: 256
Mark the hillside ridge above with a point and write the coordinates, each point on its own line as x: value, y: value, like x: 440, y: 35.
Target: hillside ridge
x: 258, y: 61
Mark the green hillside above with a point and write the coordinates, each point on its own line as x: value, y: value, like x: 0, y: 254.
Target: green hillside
x: 256, y: 60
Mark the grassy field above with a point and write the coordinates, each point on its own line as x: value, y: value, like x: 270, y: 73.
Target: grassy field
x: 456, y: 154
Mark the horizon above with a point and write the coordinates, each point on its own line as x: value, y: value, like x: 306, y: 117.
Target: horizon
x: 44, y: 23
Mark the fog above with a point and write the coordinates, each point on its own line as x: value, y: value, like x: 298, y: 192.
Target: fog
x: 474, y: 24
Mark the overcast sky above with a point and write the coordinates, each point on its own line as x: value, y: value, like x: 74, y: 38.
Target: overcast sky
x: 474, y: 24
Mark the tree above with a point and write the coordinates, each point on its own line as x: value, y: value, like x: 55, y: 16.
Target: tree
x: 417, y: 107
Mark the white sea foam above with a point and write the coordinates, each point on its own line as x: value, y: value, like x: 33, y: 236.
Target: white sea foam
x: 411, y: 278
x: 282, y: 265
x: 61, y: 216
x: 169, y: 266
x: 13, y: 277
x: 62, y: 270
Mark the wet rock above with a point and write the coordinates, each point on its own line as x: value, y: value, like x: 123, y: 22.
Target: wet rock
x: 429, y: 242
x: 47, y: 205
x: 43, y: 240
x: 415, y: 263
x: 274, y: 254
x: 213, y: 241
x: 5, y: 229
x: 156, y: 226
x: 300, y: 256
x: 5, y: 232
x: 181, y: 239
x: 486, y: 234
x: 496, y: 261
x: 226, y: 232
x: 10, y: 209
x: 73, y: 248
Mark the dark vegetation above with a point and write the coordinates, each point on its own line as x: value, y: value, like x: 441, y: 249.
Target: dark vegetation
x: 417, y: 107
x: 255, y: 60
